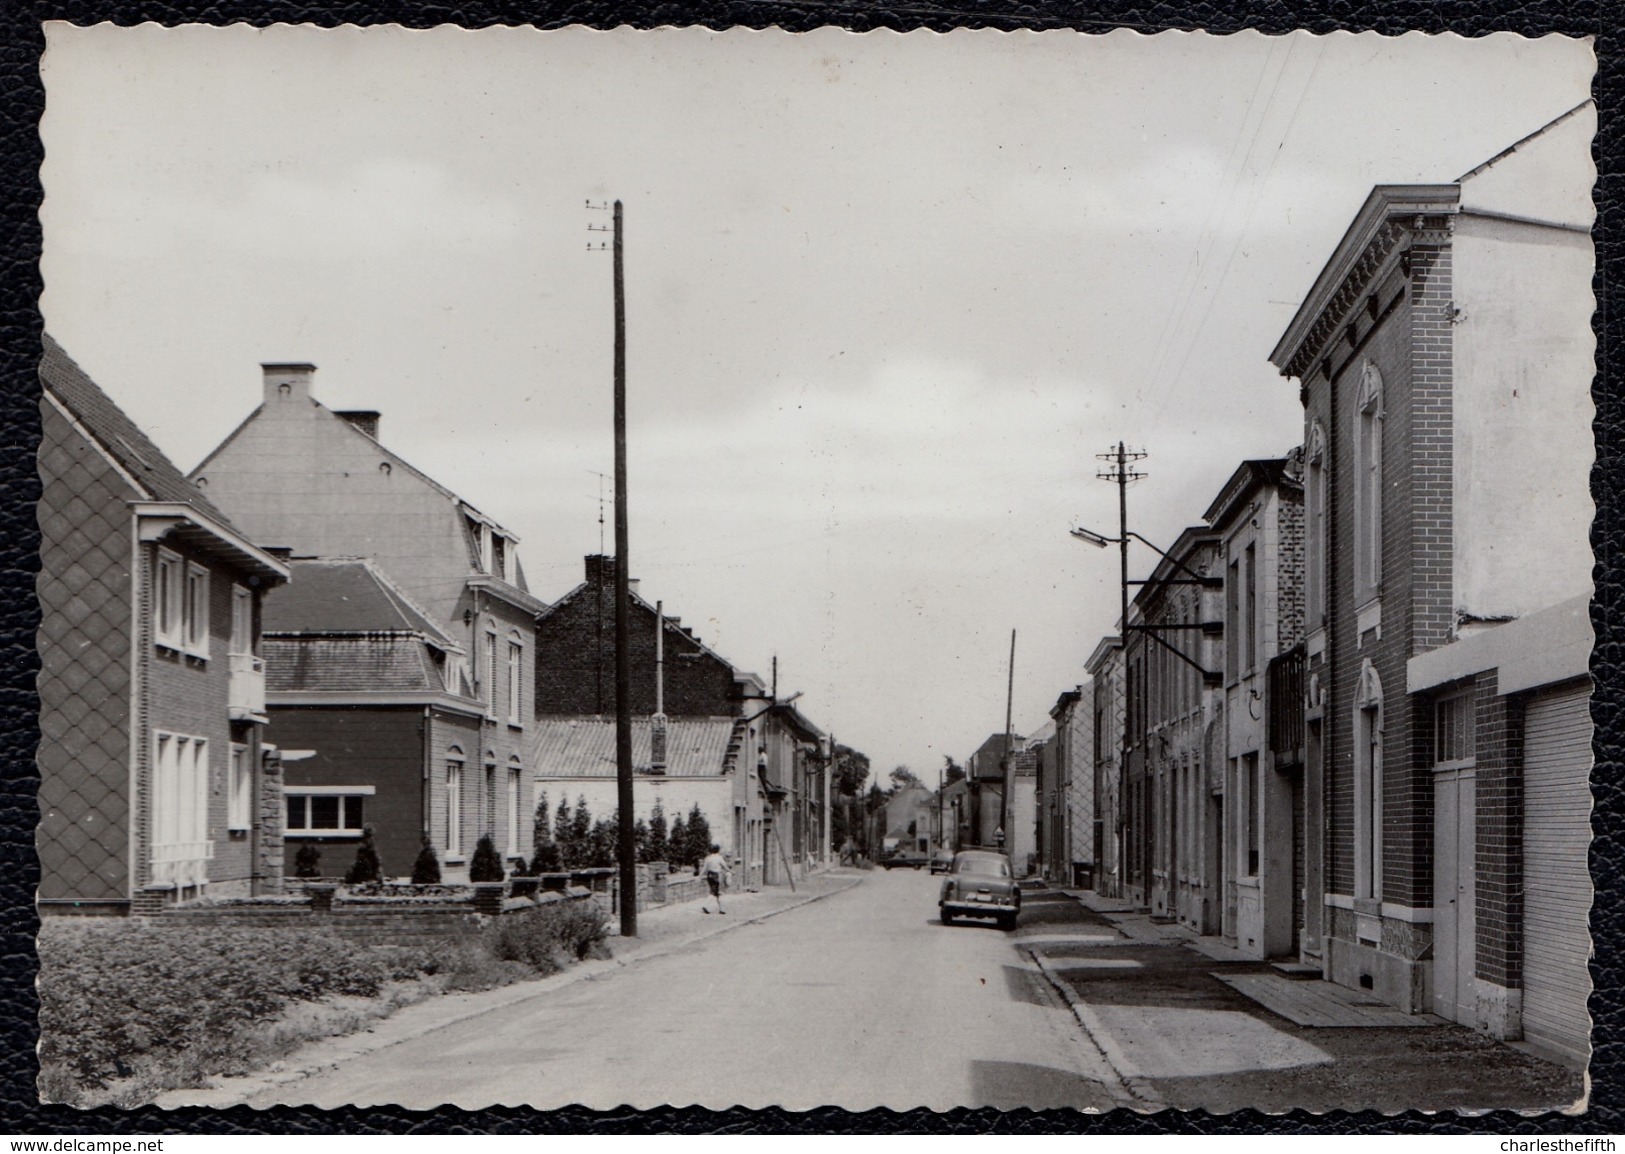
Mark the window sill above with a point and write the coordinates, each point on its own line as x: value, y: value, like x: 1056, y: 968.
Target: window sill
x: 455, y: 859
x: 1368, y: 617
x: 1315, y: 644
x: 517, y: 726
x: 310, y: 834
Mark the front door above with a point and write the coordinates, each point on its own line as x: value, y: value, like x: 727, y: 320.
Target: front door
x: 1454, y: 829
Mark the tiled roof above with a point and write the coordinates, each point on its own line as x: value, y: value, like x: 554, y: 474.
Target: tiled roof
x: 120, y: 437
x: 347, y: 596
x: 570, y: 747
x: 372, y: 664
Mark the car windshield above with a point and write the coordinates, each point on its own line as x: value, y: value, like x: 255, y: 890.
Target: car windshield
x: 982, y: 865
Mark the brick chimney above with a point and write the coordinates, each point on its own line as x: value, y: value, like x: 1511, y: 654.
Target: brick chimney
x: 287, y: 381
x: 365, y: 420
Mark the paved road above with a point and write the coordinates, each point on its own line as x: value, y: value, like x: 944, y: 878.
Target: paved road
x: 860, y: 1000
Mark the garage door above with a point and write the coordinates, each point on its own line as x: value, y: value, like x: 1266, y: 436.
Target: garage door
x: 1557, y: 883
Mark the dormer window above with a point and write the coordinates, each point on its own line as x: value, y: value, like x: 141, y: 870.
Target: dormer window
x: 499, y: 556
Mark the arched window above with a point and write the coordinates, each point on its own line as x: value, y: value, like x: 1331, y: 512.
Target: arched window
x: 454, y: 801
x: 1368, y: 485
x: 1368, y: 784
x: 1315, y: 566
x: 516, y: 680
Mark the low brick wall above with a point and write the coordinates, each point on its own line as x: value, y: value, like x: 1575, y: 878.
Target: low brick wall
x: 375, y: 920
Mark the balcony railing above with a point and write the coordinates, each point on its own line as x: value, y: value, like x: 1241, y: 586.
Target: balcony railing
x: 245, y: 700
x: 183, y: 864
x: 1284, y: 702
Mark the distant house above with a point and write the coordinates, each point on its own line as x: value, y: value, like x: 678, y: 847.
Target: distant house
x: 985, y: 774
x: 1272, y: 840
x: 1175, y: 770
x: 1105, y: 669
x: 152, y: 693
x: 777, y: 810
x: 366, y: 693
x: 1021, y: 799
x: 1068, y: 792
x: 321, y: 482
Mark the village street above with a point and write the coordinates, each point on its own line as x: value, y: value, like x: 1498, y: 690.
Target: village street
x: 861, y: 998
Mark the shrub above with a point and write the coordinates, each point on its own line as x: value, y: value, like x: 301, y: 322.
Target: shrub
x: 659, y: 843
x: 426, y: 870
x: 699, y: 836
x: 544, y: 857
x: 366, y: 867
x: 677, y: 844
x: 486, y: 865
x: 307, y: 863
x: 547, y: 938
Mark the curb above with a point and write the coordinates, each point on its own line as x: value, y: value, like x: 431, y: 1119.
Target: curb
x: 1136, y: 1086
x: 523, y: 992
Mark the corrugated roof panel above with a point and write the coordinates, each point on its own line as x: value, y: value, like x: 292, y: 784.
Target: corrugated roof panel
x: 585, y: 746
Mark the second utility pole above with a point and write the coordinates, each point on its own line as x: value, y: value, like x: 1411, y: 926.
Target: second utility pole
x: 623, y: 663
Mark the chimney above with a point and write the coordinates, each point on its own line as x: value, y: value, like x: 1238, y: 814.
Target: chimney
x: 364, y: 419
x: 287, y: 380
x: 600, y: 569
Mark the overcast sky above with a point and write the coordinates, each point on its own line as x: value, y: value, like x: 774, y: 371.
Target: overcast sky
x: 888, y: 295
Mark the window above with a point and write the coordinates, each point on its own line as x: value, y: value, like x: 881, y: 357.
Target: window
x: 1232, y: 620
x: 515, y: 681
x: 168, y: 600
x: 488, y: 798
x: 1315, y: 556
x: 1249, y: 624
x: 514, y: 776
x: 1368, y: 486
x: 1368, y: 784
x: 327, y: 810
x: 240, y: 795
x: 488, y: 672
x: 454, y: 806
x: 1453, y: 729
x: 1249, y: 809
x: 196, y: 616
x: 242, y: 620
x: 499, y: 556
x: 180, y: 791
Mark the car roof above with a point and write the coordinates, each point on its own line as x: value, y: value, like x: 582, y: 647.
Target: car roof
x: 987, y: 853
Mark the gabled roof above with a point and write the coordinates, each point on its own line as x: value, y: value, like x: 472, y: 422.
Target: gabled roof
x: 377, y: 665
x: 673, y: 626
x: 119, y: 437
x: 1521, y: 141
x: 168, y: 503
x: 584, y: 747
x: 1248, y: 478
x: 346, y: 596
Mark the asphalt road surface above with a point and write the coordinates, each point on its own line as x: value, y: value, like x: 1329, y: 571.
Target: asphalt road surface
x: 861, y: 1000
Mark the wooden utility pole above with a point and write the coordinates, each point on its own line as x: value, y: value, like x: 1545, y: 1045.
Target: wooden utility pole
x: 1009, y: 770
x: 623, y: 662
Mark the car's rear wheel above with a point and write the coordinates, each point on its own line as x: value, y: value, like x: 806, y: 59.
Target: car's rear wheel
x: 1007, y: 922
x: 947, y: 917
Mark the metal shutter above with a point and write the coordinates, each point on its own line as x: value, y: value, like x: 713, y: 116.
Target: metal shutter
x: 1557, y: 883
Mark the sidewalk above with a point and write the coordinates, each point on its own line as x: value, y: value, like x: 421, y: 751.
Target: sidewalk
x: 1188, y: 1023
x: 662, y: 931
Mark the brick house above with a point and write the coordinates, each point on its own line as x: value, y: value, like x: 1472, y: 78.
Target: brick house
x: 1105, y: 700
x: 1271, y: 830
x: 320, y: 482
x: 365, y: 692
x: 1067, y: 789
x: 1174, y: 808
x: 779, y: 805
x: 1444, y: 359
x: 152, y: 693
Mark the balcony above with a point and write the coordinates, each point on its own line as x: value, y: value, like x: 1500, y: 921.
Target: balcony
x: 1284, y: 701
x: 245, y: 700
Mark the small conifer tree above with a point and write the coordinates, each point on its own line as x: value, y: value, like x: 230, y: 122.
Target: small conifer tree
x: 699, y: 835
x: 544, y: 855
x: 307, y: 863
x: 486, y: 865
x: 677, y: 843
x: 426, y: 870
x: 366, y: 867
x: 659, y: 845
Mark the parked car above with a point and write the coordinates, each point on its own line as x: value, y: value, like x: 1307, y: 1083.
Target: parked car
x: 981, y: 884
x: 942, y: 861
x: 904, y: 859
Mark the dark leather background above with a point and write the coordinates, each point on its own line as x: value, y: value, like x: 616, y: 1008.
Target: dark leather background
x: 22, y: 100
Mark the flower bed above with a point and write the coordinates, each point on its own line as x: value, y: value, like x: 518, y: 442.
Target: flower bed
x: 130, y: 1008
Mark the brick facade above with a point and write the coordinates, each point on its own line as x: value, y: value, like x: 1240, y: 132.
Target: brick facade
x: 575, y: 657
